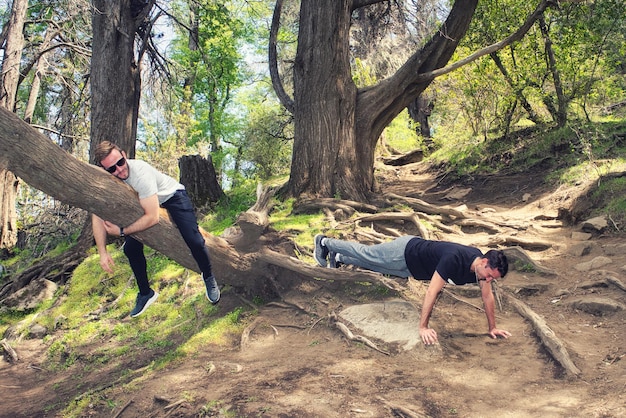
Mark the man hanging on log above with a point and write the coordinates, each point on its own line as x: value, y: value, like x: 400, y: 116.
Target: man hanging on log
x: 155, y: 189
x: 441, y: 262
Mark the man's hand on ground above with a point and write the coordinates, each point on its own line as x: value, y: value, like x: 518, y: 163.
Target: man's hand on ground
x: 495, y: 333
x: 429, y: 336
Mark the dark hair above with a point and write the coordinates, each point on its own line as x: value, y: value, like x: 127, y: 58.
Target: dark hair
x: 497, y: 260
x: 103, y: 149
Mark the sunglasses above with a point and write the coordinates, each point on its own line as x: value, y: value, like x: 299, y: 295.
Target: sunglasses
x: 119, y: 163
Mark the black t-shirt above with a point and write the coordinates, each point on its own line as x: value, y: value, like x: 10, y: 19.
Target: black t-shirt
x: 452, y: 261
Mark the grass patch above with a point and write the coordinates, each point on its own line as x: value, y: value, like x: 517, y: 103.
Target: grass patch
x: 225, y: 213
x: 577, y: 151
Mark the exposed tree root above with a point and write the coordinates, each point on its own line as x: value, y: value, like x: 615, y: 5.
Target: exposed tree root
x: 401, y: 411
x: 611, y: 278
x: 536, y: 245
x: 422, y: 206
x: 517, y: 254
x: 548, y: 338
x: 397, y: 216
x: 347, y: 206
x: 350, y: 336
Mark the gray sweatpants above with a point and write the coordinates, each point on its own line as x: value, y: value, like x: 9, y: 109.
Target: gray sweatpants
x: 385, y: 258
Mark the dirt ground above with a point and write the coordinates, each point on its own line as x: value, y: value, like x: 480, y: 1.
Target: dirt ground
x: 294, y: 364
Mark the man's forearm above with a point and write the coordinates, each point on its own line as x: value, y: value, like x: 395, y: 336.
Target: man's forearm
x: 99, y: 233
x: 489, y: 304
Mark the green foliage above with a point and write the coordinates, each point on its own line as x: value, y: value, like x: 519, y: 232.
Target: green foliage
x: 401, y: 134
x: 610, y: 199
x: 578, y: 152
x: 209, y: 70
x: 225, y: 213
x: 584, y: 37
x: 266, y: 137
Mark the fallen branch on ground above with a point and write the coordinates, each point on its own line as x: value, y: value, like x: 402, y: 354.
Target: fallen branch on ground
x: 548, y: 338
x: 350, y: 336
x: 13, y: 357
x: 400, y: 411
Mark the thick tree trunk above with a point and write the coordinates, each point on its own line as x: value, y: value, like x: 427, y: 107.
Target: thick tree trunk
x: 115, y: 75
x: 326, y: 159
x: 9, y: 78
x: 420, y: 110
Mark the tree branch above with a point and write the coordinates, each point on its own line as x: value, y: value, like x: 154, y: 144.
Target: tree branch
x: 279, y: 88
x: 516, y: 36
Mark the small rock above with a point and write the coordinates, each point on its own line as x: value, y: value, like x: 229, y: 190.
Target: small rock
x: 614, y: 249
x: 596, y: 305
x: 580, y: 249
x: 531, y: 289
x: 37, y: 331
x: 457, y: 194
x: 593, y: 284
x: 594, y: 264
x: 597, y: 224
x: 526, y: 197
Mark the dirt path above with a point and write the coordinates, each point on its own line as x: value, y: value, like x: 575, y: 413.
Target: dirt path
x: 296, y: 365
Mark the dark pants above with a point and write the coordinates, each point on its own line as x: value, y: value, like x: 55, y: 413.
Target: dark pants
x: 183, y: 215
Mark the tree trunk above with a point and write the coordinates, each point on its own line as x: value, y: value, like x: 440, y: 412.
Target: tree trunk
x: 336, y: 126
x: 115, y: 76
x: 9, y: 79
x: 326, y: 160
x: 198, y: 176
x: 560, y: 112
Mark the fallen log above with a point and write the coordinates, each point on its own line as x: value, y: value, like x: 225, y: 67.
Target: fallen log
x: 548, y: 338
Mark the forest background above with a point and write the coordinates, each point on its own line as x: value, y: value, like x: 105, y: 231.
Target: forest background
x: 205, y: 88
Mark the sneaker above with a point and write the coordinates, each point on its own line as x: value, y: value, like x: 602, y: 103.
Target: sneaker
x: 142, y: 303
x: 320, y: 252
x: 333, y: 263
x: 212, y: 291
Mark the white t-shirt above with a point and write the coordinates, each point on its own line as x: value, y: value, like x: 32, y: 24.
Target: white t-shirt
x: 147, y: 181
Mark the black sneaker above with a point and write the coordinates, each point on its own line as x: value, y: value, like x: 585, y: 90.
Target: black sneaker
x: 320, y: 252
x: 333, y: 263
x: 212, y: 291
x: 142, y: 303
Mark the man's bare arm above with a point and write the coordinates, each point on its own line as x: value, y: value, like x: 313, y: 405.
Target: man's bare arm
x: 429, y: 335
x: 490, y: 310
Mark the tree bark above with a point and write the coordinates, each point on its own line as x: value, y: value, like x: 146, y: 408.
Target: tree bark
x: 326, y: 159
x: 115, y: 76
x: 560, y: 112
x: 198, y: 176
x: 9, y: 80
